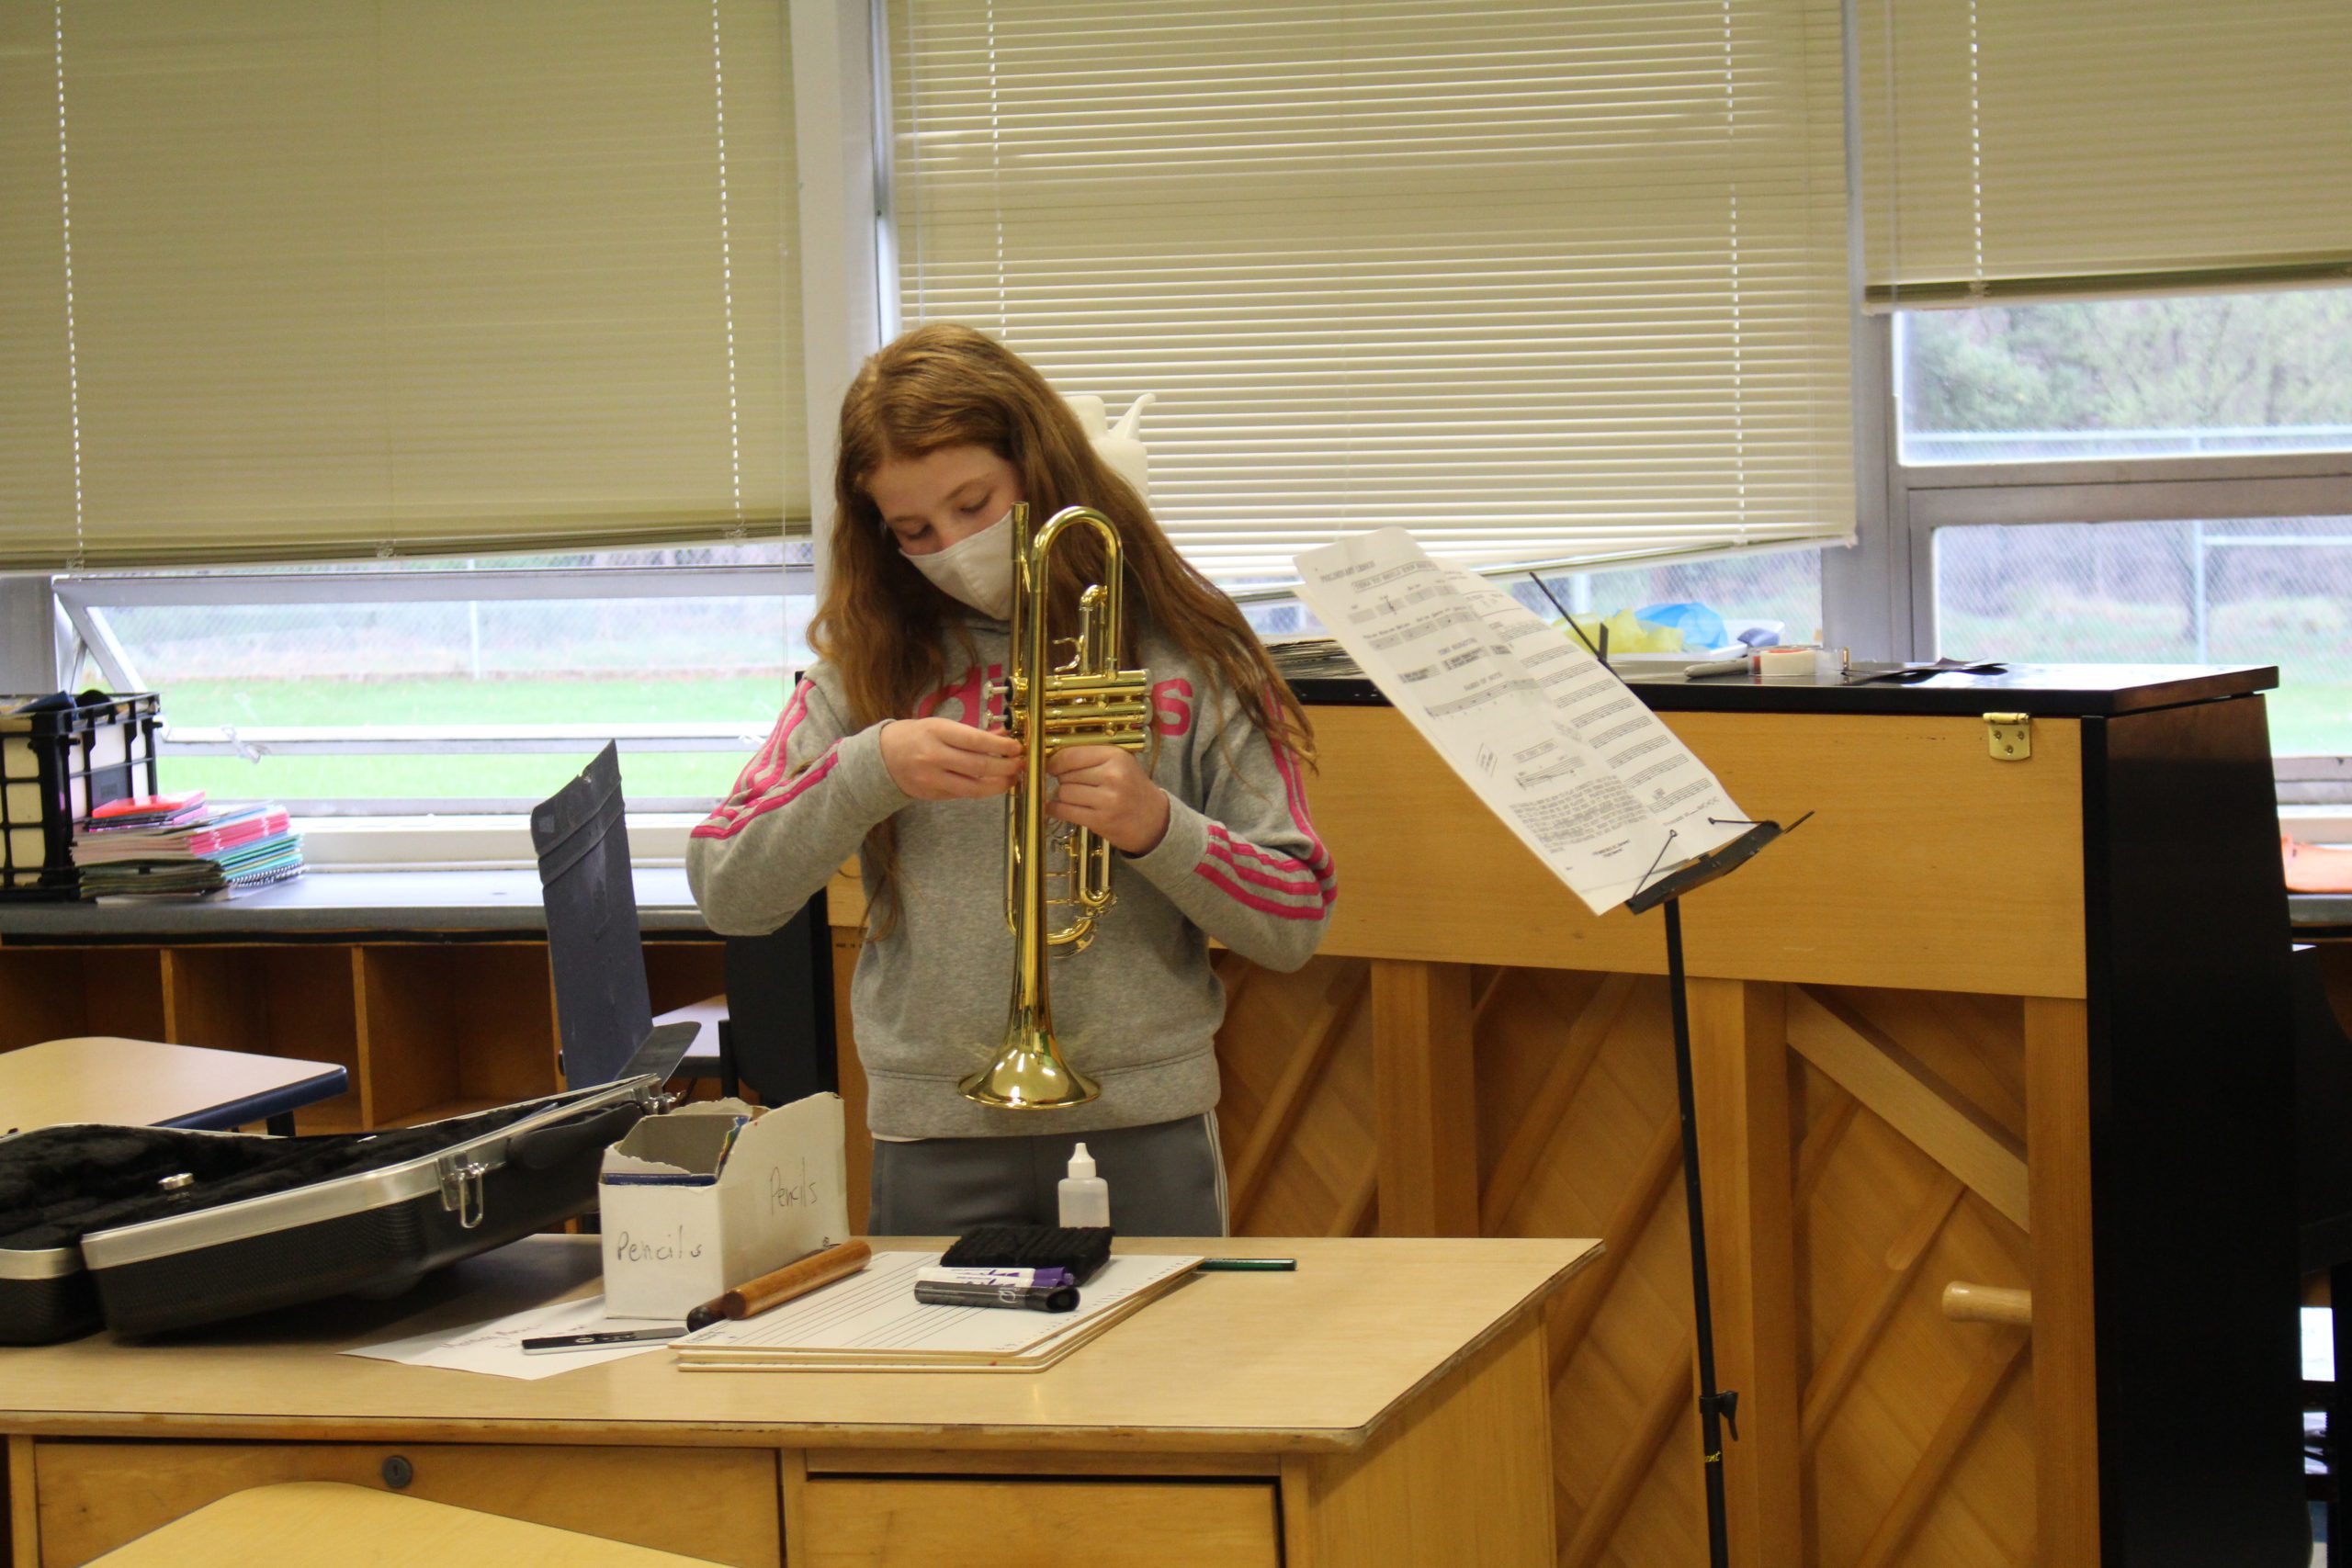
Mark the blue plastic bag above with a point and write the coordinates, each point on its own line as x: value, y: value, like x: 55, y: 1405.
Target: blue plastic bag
x: 1702, y: 628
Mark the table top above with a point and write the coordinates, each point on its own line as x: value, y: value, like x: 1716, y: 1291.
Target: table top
x: 374, y: 902
x: 1238, y: 1362
x: 147, y: 1083
x: 267, y: 1525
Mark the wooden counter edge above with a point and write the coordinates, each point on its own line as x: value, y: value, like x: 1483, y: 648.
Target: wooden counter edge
x: 56, y: 1424
x: 1503, y: 1324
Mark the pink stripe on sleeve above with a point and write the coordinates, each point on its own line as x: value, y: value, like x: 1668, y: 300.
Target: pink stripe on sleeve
x: 1208, y: 871
x: 1287, y: 875
x: 727, y: 827
x: 767, y: 764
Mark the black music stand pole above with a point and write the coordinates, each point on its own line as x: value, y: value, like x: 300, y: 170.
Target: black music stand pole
x: 1718, y: 1408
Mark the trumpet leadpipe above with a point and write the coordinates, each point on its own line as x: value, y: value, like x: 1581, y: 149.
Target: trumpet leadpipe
x: 1064, y: 740
x: 1057, y: 713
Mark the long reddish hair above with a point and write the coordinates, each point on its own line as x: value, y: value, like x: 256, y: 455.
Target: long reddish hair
x: 883, y: 626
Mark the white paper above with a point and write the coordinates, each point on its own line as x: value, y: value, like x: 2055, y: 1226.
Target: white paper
x: 496, y: 1346
x: 1559, y: 749
x: 874, y: 1312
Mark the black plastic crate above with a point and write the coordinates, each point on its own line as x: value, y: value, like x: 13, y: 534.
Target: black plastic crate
x: 58, y: 764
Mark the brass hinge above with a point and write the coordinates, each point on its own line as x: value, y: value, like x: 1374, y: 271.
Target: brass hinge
x: 2009, y: 736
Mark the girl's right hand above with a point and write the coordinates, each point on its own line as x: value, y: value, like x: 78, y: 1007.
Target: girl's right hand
x: 942, y: 759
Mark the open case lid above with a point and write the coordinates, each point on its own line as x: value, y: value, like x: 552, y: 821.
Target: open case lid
x: 603, y: 1009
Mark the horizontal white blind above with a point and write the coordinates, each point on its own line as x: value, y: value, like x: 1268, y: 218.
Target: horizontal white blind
x: 2046, y: 149
x: 1535, y: 280
x: 288, y: 280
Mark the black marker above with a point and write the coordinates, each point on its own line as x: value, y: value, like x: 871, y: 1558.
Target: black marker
x: 602, y: 1341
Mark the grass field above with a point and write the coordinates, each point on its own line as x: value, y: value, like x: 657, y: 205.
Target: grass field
x: 752, y: 702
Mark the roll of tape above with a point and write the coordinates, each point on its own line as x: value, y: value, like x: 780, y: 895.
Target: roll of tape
x: 1785, y: 661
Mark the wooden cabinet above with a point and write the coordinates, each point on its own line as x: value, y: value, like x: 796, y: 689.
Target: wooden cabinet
x: 718, y: 1503
x: 58, y: 992
x: 426, y: 1028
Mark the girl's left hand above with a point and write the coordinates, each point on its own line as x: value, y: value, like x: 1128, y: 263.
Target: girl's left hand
x: 1105, y: 789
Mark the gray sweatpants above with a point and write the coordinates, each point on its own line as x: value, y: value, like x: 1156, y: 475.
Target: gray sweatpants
x: 1165, y: 1179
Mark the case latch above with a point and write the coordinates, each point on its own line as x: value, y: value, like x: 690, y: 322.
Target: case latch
x: 462, y: 1190
x: 2009, y: 736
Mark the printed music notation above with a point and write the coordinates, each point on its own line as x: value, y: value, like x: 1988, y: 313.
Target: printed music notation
x: 1559, y: 767
x: 1550, y: 739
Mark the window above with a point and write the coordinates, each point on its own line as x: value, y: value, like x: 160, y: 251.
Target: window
x: 2193, y: 376
x: 2251, y: 591
x: 1539, y: 282
x: 2111, y: 241
x: 2157, y: 481
x: 413, y: 396
x: 458, y: 686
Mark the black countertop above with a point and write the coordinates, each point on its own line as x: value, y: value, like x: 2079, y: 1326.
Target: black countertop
x: 2047, y: 690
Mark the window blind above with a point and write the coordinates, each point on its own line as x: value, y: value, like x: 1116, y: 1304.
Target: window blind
x: 2023, y: 149
x: 306, y: 279
x: 1536, y: 281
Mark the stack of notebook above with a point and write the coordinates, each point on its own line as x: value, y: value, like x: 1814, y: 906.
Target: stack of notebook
x: 872, y: 1323
x: 179, y: 846
x: 1311, y: 657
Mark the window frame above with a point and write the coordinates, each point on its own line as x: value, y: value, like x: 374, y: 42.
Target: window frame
x: 1893, y: 591
x: 82, y: 604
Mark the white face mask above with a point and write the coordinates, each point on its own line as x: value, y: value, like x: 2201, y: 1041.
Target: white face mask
x: 977, y: 568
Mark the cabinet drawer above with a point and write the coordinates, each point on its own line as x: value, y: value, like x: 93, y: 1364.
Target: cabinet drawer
x: 887, y: 1522
x: 716, y: 1503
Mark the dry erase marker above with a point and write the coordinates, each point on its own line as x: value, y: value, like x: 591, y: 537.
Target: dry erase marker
x: 1032, y: 1298
x: 603, y: 1339
x: 1050, y: 1278
x: 1250, y: 1265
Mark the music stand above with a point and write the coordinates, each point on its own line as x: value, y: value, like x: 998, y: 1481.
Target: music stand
x: 1718, y: 1408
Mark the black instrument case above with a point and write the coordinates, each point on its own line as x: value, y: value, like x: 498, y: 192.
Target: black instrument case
x: 155, y: 1228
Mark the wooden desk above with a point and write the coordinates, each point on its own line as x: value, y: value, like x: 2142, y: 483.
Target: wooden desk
x: 146, y: 1083
x: 1389, y: 1402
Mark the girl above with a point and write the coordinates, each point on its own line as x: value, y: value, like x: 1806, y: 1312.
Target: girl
x: 885, y: 751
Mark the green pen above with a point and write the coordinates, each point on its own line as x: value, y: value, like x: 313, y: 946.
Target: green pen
x: 1249, y: 1264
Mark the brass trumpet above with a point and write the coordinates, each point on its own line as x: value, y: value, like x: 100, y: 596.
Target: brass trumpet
x: 1088, y: 701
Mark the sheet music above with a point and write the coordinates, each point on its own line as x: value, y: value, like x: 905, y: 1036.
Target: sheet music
x: 1557, y: 747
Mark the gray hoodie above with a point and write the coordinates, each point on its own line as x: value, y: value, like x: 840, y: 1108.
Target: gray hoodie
x: 1137, y: 1009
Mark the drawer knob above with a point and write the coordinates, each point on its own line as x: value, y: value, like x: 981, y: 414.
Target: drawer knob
x: 397, y: 1473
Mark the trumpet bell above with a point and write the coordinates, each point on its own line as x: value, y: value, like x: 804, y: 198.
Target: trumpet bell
x: 1029, y: 1073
